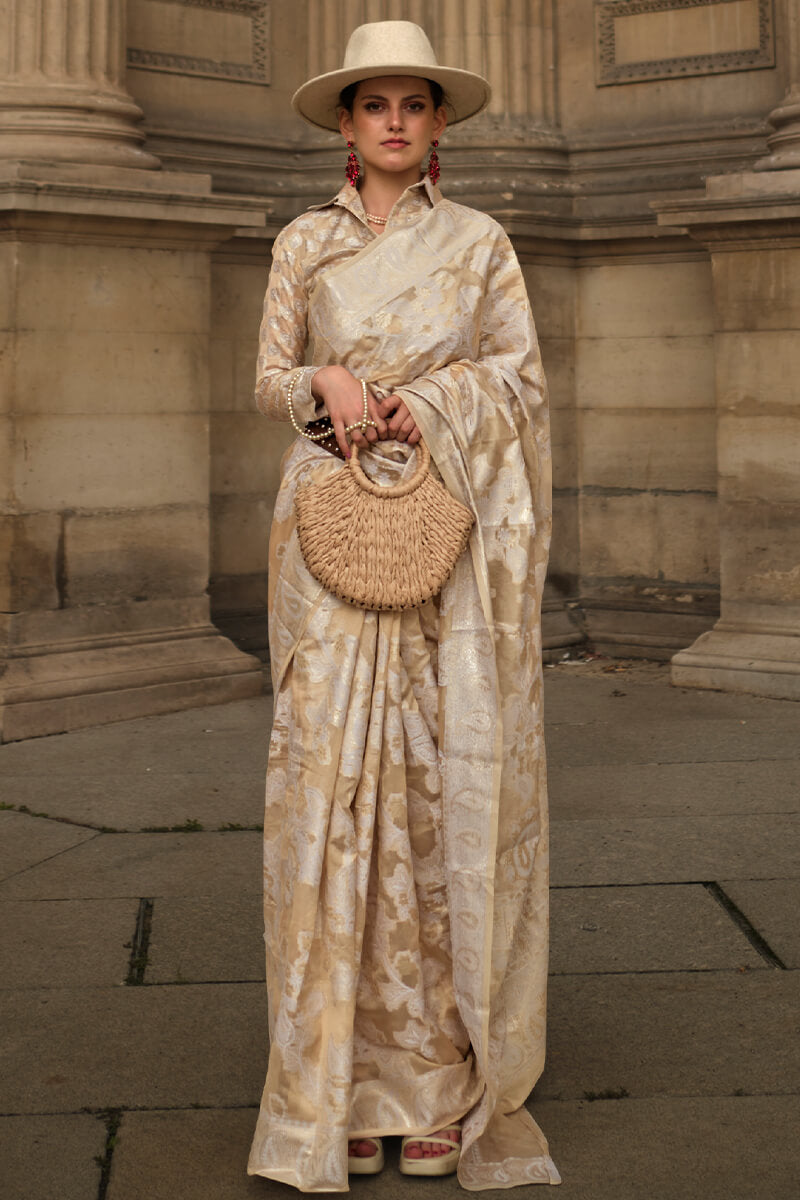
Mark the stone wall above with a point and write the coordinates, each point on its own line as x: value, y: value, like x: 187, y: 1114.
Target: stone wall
x: 645, y: 159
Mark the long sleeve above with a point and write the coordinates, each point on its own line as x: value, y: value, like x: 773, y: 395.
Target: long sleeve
x: 283, y: 334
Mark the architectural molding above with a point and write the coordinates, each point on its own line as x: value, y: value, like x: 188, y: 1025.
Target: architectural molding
x: 257, y: 70
x: 617, y: 64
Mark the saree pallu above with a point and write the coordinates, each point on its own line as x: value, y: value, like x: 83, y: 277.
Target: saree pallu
x: 405, y: 835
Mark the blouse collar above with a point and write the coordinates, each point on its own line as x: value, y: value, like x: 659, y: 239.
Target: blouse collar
x: 417, y: 195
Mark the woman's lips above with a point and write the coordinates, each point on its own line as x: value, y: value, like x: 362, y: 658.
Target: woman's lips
x: 397, y: 142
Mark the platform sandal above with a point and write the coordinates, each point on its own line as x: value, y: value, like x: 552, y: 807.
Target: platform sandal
x: 442, y: 1164
x: 369, y: 1164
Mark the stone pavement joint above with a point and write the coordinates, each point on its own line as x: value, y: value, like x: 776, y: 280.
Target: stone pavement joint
x: 140, y: 943
x: 112, y: 1119
x: 737, y: 916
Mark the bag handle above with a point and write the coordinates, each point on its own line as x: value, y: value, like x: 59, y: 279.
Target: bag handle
x: 404, y: 488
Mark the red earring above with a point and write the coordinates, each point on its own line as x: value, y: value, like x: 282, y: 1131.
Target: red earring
x: 353, y: 169
x: 433, y: 162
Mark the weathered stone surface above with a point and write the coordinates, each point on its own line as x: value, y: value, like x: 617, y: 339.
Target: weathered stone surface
x: 147, y: 797
x: 28, y: 840
x: 621, y: 1150
x: 552, y: 292
x: 112, y: 462
x: 161, y: 1155
x: 640, y: 535
x: 146, y: 554
x: 51, y: 1156
x: 758, y: 289
x: 145, y: 864
x: 645, y: 300
x: 28, y: 550
x: 727, y: 739
x: 65, y: 943
x: 720, y: 1147
x: 57, y: 689
x: 133, y: 1047
x: 244, y: 444
x: 565, y: 450
x: 108, y: 289
x: 673, y: 789
x: 240, y: 534
x: 627, y: 693
x: 745, y: 659
x: 752, y: 361
x: 558, y: 360
x: 153, y: 363
x: 203, y: 940
x: 615, y: 929
x: 565, y: 556
x: 676, y: 849
x: 772, y: 907
x: 646, y: 449
x: 665, y: 373
x: 683, y: 1034
x: 204, y: 765
x: 229, y: 737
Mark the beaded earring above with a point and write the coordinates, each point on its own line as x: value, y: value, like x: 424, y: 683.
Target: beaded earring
x: 353, y: 168
x: 433, y: 162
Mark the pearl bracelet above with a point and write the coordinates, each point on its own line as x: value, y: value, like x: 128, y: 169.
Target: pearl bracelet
x: 363, y: 424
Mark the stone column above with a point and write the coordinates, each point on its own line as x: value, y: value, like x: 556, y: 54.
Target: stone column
x: 750, y: 223
x: 751, y: 226
x: 62, y: 94
x: 511, y: 42
x: 784, y: 143
x: 105, y: 313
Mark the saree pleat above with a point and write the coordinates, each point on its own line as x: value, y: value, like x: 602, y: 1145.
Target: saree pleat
x: 405, y: 835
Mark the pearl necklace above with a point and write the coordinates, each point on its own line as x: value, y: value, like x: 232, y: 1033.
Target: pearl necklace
x: 376, y: 220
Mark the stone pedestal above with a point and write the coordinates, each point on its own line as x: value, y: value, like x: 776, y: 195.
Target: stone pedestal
x: 751, y: 225
x: 104, y: 446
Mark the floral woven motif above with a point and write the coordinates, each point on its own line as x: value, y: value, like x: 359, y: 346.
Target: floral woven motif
x: 377, y: 547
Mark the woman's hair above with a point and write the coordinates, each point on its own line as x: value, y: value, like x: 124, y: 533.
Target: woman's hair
x: 347, y: 96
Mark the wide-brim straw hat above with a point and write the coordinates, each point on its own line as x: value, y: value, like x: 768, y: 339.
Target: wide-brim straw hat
x: 389, y: 48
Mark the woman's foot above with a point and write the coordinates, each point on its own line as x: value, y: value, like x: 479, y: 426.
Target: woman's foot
x: 364, y: 1156
x: 435, y: 1155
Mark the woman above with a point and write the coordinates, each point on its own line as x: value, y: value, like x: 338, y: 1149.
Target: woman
x: 405, y: 835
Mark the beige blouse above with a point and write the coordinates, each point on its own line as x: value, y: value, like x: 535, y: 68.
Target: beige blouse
x: 321, y: 238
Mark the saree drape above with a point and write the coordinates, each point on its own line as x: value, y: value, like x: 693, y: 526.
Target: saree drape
x: 405, y: 835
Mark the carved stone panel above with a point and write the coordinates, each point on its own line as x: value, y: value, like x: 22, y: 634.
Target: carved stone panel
x: 218, y: 39
x: 638, y: 40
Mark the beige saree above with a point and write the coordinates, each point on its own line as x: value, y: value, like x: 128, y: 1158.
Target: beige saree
x: 405, y: 836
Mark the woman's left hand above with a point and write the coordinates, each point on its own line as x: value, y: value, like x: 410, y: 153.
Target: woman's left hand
x: 401, y: 425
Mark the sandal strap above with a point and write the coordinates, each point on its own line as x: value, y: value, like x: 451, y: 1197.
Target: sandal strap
x: 430, y: 1137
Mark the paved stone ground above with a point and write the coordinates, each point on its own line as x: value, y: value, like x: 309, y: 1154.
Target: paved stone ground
x: 133, y: 1007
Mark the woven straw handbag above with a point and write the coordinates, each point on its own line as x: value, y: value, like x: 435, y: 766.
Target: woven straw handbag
x: 381, y: 547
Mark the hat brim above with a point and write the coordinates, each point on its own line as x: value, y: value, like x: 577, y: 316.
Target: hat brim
x: 466, y: 94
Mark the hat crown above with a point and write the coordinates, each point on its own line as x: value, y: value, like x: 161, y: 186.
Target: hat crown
x: 385, y: 43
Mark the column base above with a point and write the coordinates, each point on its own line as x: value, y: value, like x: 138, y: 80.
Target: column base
x: 728, y: 660
x: 641, y: 633
x: 561, y: 629
x: 92, y: 676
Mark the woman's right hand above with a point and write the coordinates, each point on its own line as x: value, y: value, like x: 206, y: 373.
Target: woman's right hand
x: 341, y: 394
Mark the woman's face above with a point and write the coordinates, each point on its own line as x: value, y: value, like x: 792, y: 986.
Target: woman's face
x: 393, y: 123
